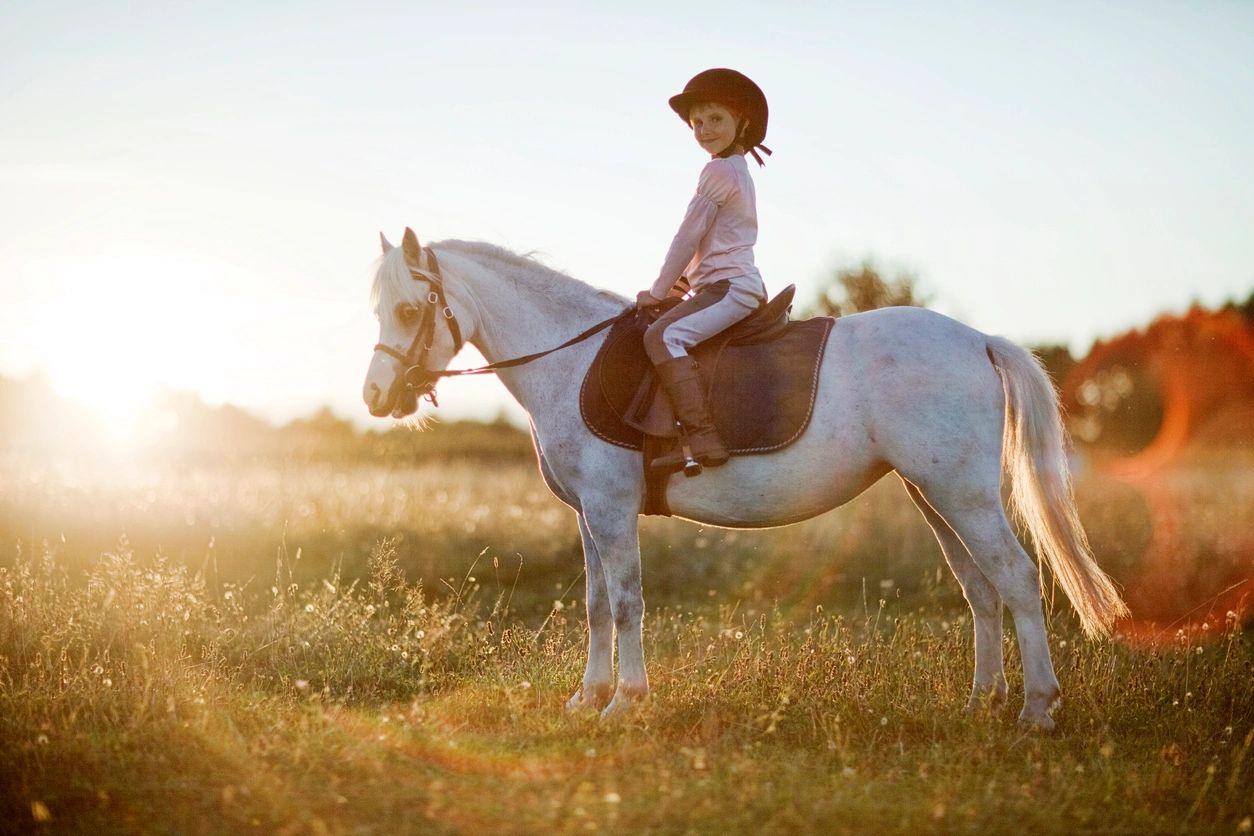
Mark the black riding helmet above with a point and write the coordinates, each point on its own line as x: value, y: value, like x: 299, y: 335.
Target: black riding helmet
x: 730, y: 89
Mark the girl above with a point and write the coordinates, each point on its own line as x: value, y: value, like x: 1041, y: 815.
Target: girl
x: 712, y: 252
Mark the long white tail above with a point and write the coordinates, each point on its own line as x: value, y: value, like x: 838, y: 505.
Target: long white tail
x: 1040, y: 487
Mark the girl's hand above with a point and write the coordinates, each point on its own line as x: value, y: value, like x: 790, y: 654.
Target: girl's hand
x: 645, y: 299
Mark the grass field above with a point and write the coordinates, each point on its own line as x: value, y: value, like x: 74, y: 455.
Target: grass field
x: 364, y: 650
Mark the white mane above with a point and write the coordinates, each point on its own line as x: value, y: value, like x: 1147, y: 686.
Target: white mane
x: 393, y: 283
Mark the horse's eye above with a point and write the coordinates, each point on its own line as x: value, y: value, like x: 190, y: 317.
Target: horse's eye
x: 406, y: 314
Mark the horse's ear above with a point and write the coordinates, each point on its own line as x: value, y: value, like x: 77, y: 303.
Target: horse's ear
x: 413, y: 252
x: 387, y: 245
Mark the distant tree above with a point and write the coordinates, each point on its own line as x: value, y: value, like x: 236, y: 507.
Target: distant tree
x: 864, y: 288
x: 1245, y: 309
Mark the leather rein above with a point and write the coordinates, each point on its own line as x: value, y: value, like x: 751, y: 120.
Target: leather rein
x: 417, y: 378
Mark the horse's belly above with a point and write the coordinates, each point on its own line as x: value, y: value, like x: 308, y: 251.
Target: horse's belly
x: 795, y: 484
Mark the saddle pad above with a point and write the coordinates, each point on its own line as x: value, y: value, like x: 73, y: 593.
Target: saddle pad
x: 761, y: 394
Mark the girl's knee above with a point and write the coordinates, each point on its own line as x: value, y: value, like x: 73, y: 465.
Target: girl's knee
x: 658, y: 346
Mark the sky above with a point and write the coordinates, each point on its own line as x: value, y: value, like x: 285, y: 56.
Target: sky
x: 191, y: 194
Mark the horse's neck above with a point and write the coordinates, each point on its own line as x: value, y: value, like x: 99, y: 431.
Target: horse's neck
x: 520, y: 312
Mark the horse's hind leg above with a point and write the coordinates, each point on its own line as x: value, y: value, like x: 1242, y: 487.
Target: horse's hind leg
x: 977, y: 516
x: 989, y: 684
x: 598, y: 678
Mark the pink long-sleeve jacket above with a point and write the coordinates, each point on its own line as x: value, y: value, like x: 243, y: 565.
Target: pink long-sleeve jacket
x: 715, y: 240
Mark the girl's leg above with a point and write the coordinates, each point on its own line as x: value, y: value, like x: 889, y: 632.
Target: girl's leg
x: 713, y: 309
x: 667, y: 342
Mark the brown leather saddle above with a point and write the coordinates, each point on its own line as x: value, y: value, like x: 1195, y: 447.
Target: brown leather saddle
x: 761, y: 377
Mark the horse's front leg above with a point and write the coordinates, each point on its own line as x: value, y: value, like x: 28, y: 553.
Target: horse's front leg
x: 612, y: 527
x: 598, y: 676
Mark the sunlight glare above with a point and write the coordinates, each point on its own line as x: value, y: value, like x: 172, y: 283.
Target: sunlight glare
x: 123, y: 327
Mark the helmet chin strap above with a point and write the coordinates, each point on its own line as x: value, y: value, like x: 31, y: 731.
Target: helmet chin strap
x: 738, y: 145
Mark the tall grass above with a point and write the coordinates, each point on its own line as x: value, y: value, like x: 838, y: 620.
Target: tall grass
x: 396, y: 660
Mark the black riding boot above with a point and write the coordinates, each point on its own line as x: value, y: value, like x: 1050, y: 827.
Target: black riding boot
x: 682, y: 385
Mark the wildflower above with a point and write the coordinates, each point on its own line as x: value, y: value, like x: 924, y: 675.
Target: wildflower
x: 558, y: 606
x: 883, y: 721
x: 613, y: 798
x: 309, y: 608
x: 739, y: 635
x: 302, y: 684
x: 107, y: 682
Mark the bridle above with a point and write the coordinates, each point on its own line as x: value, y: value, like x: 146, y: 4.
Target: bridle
x: 417, y: 377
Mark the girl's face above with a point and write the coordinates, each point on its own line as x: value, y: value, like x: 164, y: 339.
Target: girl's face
x: 714, y: 126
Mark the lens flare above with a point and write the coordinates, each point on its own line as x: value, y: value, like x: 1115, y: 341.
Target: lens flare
x: 1190, y: 379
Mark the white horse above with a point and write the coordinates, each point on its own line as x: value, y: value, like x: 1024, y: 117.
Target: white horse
x: 901, y: 389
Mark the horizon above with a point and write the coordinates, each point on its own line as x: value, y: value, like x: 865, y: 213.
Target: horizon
x: 193, y: 200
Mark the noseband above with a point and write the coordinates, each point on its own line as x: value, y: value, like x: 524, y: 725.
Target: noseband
x: 420, y: 380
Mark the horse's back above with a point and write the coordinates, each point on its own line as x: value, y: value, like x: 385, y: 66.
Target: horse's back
x: 925, y: 386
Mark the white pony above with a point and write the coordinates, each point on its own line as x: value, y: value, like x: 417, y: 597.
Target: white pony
x: 901, y: 389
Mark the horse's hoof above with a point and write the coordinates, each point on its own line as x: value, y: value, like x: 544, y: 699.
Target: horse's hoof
x: 1036, y: 722
x: 1037, y: 709
x: 588, y: 698
x: 624, y: 700
x: 617, y: 708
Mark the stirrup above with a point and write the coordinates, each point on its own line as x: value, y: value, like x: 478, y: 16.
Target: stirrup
x: 692, y: 467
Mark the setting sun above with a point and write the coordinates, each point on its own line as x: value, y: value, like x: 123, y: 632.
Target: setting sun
x: 124, y: 326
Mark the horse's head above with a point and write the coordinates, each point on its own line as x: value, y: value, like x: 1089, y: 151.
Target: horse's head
x: 421, y: 327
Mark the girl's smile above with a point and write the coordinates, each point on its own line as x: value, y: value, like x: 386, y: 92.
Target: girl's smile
x: 714, y: 127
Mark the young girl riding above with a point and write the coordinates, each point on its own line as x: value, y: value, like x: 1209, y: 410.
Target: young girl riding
x: 712, y: 253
